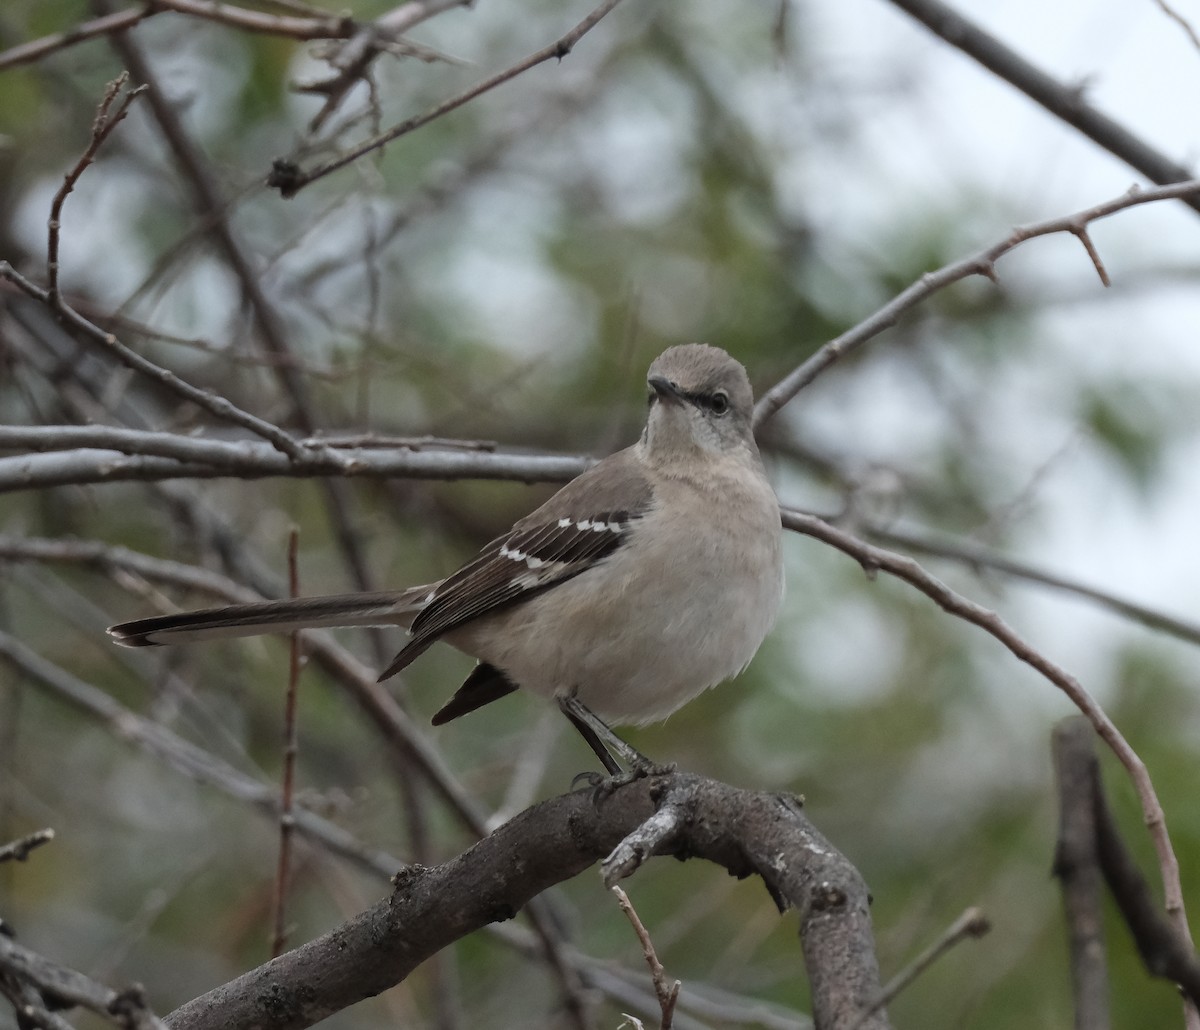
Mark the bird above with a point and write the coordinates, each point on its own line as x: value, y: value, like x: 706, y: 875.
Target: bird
x: 652, y: 576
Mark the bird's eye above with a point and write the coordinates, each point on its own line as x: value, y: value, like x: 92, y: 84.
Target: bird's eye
x: 718, y: 403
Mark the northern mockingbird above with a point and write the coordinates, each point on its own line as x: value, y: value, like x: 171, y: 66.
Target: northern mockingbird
x: 649, y: 578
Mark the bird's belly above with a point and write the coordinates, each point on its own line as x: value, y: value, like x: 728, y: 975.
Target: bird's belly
x: 650, y: 640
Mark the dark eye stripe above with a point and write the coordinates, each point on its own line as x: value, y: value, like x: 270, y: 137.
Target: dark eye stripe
x: 717, y: 403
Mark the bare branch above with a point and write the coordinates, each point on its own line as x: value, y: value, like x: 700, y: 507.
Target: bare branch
x: 744, y: 831
x: 290, y: 747
x: 125, y: 1008
x: 267, y: 318
x: 978, y: 557
x: 876, y: 558
x: 289, y: 179
x: 981, y: 263
x: 213, y: 403
x: 1063, y: 101
x: 185, y: 757
x: 1181, y: 21
x: 18, y: 850
x: 1165, y: 952
x: 200, y: 458
x: 972, y: 923
x: 1077, y: 867
x: 305, y: 28
x: 354, y: 57
x: 667, y: 993
x: 35, y: 49
x: 102, y: 128
x: 247, y: 459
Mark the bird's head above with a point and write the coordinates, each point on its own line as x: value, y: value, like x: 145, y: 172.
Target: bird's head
x: 700, y: 402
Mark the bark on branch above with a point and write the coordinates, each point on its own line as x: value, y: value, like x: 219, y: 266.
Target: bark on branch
x: 746, y: 832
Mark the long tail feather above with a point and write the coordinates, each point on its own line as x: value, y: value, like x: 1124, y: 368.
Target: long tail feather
x: 246, y: 620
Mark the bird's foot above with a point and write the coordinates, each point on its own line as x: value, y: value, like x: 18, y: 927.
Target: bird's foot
x: 605, y: 786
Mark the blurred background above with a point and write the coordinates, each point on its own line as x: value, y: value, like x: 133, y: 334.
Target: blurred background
x: 760, y: 176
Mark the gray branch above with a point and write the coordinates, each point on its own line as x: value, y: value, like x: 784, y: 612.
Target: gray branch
x: 75, y: 455
x: 1065, y: 101
x: 746, y: 832
x: 125, y: 1008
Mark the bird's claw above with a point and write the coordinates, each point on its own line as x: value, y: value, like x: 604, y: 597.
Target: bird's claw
x: 604, y: 787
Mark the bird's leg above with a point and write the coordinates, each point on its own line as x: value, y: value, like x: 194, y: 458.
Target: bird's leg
x: 595, y: 743
x: 600, y: 738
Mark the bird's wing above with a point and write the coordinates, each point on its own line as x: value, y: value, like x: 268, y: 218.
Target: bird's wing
x: 581, y: 525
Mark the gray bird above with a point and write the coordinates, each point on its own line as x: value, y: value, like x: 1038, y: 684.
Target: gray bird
x: 649, y: 578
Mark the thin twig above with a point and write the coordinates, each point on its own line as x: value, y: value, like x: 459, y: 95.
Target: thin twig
x: 981, y: 263
x: 217, y: 405
x: 876, y: 558
x: 187, y: 758
x: 289, y: 179
x: 1181, y: 21
x: 35, y: 49
x: 972, y: 923
x: 1065, y: 102
x: 211, y: 205
x: 102, y: 128
x: 666, y: 991
x: 299, y: 28
x: 125, y: 1008
x: 352, y: 60
x: 18, y: 850
x: 979, y: 557
x: 287, y: 821
x: 268, y: 319
x: 210, y: 402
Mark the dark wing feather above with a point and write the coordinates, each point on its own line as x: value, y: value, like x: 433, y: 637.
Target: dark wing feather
x: 485, y: 684
x: 531, y: 558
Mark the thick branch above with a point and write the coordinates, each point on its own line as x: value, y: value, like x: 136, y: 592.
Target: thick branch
x: 1165, y: 951
x: 1078, y: 871
x: 431, y: 907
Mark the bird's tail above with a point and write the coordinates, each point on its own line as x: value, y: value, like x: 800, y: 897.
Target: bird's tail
x: 389, y: 608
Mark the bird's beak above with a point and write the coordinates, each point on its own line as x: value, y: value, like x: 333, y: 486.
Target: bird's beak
x: 666, y: 390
